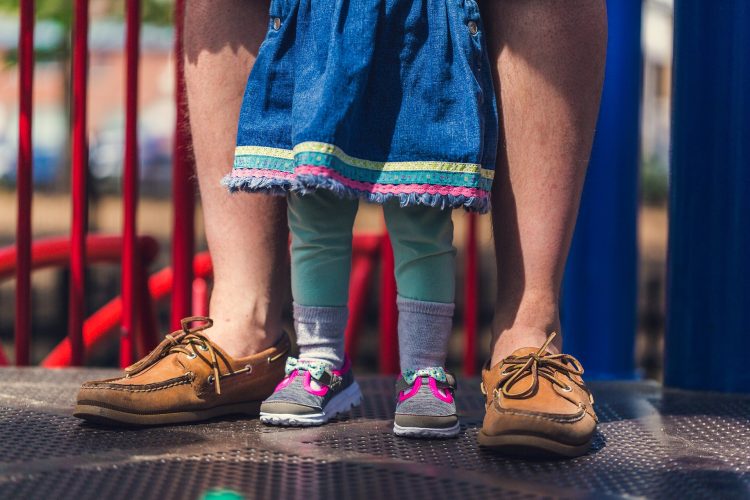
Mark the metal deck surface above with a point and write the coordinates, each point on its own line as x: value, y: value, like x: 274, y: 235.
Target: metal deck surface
x: 651, y: 442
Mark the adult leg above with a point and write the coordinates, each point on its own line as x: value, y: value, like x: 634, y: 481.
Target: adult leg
x: 549, y: 70
x: 247, y: 234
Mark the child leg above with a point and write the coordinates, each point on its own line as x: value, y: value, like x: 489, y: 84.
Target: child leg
x: 422, y: 239
x: 320, y: 384
x: 321, y: 229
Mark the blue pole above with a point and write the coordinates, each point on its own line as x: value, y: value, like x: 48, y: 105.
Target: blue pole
x: 708, y: 282
x: 599, y: 288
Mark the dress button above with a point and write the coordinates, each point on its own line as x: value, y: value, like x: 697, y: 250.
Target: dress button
x: 276, y: 23
x: 473, y: 28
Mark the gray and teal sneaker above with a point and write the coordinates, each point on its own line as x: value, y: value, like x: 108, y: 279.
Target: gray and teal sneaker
x: 425, y: 407
x: 311, y: 394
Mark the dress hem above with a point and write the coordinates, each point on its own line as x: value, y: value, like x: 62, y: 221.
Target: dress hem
x: 308, y: 183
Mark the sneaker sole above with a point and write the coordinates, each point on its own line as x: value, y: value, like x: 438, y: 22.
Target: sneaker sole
x: 113, y: 416
x: 349, y: 398
x: 427, y: 432
x: 528, y: 446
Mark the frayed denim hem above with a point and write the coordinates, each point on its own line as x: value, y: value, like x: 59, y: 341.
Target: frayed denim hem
x: 267, y: 185
x: 305, y: 184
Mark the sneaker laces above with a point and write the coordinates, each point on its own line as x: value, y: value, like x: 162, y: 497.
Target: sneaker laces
x: 539, y: 364
x: 187, y: 341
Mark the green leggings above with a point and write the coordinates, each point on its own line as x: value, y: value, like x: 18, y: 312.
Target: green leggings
x: 321, y: 227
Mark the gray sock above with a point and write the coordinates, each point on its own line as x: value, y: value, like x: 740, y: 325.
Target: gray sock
x: 423, y: 331
x: 320, y: 333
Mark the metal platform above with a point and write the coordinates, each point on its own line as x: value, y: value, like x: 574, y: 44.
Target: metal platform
x: 651, y: 442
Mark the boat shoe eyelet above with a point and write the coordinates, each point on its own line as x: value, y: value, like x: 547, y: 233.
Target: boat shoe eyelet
x: 203, y: 348
x: 210, y: 379
x: 192, y: 355
x: 473, y: 27
x: 567, y: 388
x: 277, y: 23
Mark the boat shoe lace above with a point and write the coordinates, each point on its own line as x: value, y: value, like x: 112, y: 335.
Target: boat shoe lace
x: 540, y: 364
x: 189, y: 341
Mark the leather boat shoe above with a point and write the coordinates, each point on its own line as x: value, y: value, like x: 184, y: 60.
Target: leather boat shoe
x: 187, y: 378
x: 537, y: 405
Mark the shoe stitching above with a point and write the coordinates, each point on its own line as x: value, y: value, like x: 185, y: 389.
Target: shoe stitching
x: 185, y: 379
x: 541, y: 416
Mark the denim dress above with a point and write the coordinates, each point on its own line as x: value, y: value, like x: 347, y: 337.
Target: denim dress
x: 371, y: 99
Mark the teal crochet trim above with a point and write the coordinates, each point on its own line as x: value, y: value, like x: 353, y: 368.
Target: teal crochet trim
x: 363, y: 174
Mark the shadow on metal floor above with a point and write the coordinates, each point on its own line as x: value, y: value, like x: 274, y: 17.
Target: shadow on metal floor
x: 651, y: 442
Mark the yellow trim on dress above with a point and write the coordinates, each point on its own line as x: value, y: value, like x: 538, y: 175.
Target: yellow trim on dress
x: 392, y: 166
x: 284, y: 154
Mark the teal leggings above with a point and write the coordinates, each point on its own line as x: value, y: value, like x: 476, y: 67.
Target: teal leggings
x: 321, y: 228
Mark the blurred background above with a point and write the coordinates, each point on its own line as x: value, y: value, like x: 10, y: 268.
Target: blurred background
x: 51, y: 153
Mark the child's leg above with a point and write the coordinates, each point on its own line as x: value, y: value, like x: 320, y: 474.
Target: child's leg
x: 319, y: 385
x: 422, y: 239
x: 321, y: 229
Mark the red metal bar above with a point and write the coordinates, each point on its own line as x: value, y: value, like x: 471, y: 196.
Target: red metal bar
x: 471, y: 291
x: 24, y: 182
x: 364, y: 254
x: 106, y: 319
x: 79, y: 189
x: 388, y: 312
x: 183, y: 193
x: 130, y: 258
x: 56, y: 252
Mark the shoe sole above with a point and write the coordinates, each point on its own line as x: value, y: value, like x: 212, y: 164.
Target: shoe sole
x: 341, y: 403
x: 529, y: 446
x: 111, y: 416
x: 427, y: 432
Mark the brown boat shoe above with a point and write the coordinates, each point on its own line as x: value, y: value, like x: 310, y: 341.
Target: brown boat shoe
x: 187, y: 378
x: 537, y: 405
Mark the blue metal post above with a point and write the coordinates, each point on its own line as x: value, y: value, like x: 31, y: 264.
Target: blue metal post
x: 599, y: 289
x: 708, y: 284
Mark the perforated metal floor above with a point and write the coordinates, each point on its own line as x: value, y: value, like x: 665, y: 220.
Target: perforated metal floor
x: 651, y: 443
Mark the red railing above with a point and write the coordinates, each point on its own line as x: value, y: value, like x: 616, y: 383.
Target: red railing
x: 134, y: 309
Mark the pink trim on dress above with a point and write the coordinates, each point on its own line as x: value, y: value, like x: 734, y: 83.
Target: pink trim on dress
x: 442, y: 395
x: 260, y: 172
x: 361, y: 186
x: 389, y: 188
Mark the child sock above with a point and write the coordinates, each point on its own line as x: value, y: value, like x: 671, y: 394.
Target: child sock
x: 320, y: 333
x: 423, y: 331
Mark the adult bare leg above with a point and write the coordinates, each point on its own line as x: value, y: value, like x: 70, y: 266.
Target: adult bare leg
x: 247, y: 234
x: 549, y: 71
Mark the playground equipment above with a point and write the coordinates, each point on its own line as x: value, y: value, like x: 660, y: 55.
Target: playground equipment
x: 708, y: 281
x: 709, y: 275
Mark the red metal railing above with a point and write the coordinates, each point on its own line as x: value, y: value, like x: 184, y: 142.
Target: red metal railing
x: 183, y: 191
x: 24, y: 183
x: 130, y: 181
x: 134, y: 310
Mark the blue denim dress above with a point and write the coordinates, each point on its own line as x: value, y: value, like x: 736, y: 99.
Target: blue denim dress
x: 375, y: 99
